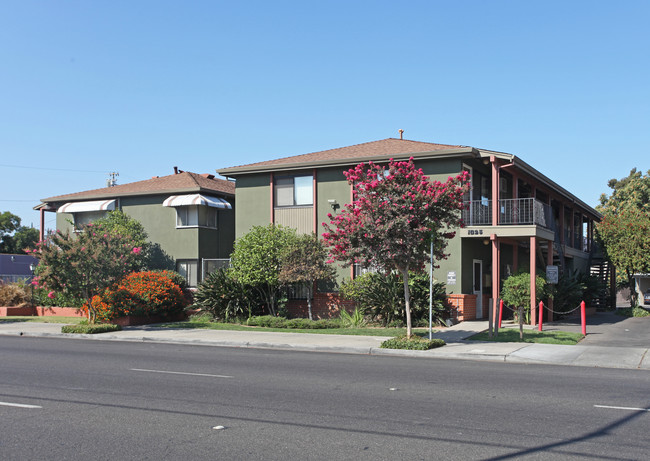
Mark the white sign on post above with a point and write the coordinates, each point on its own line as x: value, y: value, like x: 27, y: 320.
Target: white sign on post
x: 552, y: 274
x: 451, y: 278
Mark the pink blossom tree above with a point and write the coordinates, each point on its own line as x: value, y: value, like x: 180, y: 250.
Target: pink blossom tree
x: 395, y: 215
x: 86, y: 263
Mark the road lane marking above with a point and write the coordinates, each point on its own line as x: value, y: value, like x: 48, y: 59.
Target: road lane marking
x: 180, y: 373
x: 622, y: 408
x: 19, y: 405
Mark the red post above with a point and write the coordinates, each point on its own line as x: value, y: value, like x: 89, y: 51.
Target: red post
x: 583, y: 316
x: 500, y: 311
x: 541, y: 313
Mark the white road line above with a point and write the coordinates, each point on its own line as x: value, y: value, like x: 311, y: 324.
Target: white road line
x: 19, y: 405
x: 180, y: 373
x: 622, y: 408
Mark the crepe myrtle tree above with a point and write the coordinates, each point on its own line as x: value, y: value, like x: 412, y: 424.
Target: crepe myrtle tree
x: 86, y: 263
x: 395, y: 215
x: 304, y: 262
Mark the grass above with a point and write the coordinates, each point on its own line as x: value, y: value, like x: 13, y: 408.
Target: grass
x: 90, y: 329
x: 511, y: 335
x: 40, y: 319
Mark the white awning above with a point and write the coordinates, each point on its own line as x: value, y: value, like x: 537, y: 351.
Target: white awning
x: 197, y: 199
x: 80, y: 207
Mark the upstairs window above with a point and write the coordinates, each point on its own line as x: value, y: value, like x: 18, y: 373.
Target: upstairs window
x: 196, y: 216
x: 294, y: 191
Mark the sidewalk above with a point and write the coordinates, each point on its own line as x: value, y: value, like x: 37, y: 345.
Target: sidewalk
x: 457, y: 347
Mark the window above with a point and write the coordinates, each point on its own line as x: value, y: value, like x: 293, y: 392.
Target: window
x: 189, y: 269
x: 294, y: 191
x: 82, y: 219
x: 196, y: 216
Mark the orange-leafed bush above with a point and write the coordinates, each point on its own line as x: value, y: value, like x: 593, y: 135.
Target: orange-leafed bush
x: 141, y: 293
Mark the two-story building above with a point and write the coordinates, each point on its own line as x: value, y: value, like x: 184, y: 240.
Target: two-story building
x: 516, y: 217
x: 188, y: 217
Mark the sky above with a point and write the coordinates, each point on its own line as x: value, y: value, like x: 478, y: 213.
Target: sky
x: 139, y: 86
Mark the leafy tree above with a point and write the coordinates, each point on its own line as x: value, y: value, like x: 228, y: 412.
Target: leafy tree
x: 626, y: 241
x: 395, y: 214
x: 304, y: 262
x: 629, y: 193
x: 257, y: 259
x: 87, y: 263
x: 516, y: 293
x: 23, y: 238
x: 15, y: 238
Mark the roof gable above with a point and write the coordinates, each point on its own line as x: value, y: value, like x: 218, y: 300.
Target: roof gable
x: 175, y: 183
x: 368, y: 151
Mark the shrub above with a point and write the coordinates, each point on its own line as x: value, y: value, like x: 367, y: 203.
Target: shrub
x: 382, y: 297
x: 269, y: 321
x: 354, y: 320
x: 633, y: 312
x: 224, y: 297
x: 90, y: 328
x: 14, y: 294
x: 414, y: 343
x: 146, y: 293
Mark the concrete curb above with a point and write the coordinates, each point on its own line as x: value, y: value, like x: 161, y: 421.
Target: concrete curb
x: 540, y: 354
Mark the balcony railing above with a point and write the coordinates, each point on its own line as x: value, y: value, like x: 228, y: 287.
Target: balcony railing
x: 512, y: 212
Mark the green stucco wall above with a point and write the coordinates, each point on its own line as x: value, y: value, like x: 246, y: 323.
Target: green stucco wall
x: 253, y: 202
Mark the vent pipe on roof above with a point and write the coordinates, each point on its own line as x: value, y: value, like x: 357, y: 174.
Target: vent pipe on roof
x: 401, y: 133
x: 175, y: 170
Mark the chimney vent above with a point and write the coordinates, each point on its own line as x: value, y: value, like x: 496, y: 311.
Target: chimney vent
x: 401, y: 133
x: 175, y: 170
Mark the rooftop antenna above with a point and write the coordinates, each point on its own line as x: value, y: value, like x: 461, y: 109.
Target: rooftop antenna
x: 401, y: 133
x: 111, y: 181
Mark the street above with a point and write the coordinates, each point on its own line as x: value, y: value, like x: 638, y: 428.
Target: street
x: 77, y: 399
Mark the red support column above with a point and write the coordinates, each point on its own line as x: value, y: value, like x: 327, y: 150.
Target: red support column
x: 533, y: 276
x: 549, y: 261
x: 42, y: 230
x: 496, y: 276
x: 314, y: 197
x: 495, y: 191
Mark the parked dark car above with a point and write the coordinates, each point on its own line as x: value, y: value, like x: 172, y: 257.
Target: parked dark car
x: 646, y: 297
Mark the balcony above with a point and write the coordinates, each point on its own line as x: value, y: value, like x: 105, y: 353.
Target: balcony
x: 512, y: 212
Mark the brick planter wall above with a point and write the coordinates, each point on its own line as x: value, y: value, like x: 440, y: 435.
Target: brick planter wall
x: 323, y: 306
x: 463, y: 307
x: 40, y: 311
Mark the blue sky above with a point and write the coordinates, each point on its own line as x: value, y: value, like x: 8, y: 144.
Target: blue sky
x: 139, y: 87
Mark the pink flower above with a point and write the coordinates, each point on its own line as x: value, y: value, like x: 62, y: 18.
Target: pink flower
x: 137, y: 250
x: 50, y: 295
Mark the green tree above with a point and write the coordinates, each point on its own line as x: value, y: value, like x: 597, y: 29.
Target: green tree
x: 87, y: 263
x: 395, y: 215
x: 257, y: 259
x: 629, y: 193
x: 626, y: 242
x: 516, y: 293
x: 9, y: 223
x: 304, y: 262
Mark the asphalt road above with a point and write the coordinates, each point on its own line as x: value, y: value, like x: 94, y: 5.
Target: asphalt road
x: 76, y: 399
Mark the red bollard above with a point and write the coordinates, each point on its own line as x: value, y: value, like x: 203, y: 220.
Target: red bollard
x: 541, y: 313
x: 500, y: 311
x: 583, y: 315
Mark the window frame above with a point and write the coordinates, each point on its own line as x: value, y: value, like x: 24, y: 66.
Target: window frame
x: 196, y: 215
x: 284, y: 183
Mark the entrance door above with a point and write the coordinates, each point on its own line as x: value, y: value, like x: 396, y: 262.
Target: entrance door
x: 477, y: 287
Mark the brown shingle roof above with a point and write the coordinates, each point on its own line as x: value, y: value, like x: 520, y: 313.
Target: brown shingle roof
x: 368, y: 150
x: 172, y: 184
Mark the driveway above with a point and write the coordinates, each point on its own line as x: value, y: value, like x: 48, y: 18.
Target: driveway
x: 609, y: 329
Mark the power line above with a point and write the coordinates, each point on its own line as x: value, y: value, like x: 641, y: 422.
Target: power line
x: 51, y: 169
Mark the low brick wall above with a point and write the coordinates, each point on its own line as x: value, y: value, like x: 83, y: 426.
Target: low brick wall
x: 463, y: 307
x: 324, y: 306
x: 41, y: 311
